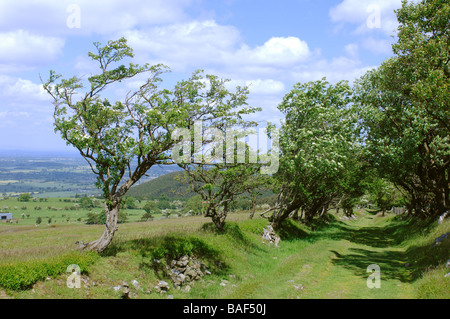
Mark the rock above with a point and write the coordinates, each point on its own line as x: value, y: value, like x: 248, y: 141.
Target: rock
x: 447, y: 265
x: 170, y: 297
x: 135, y: 284
x: 117, y: 288
x: 270, y: 236
x: 443, y: 216
x: 125, y: 291
x: 298, y: 287
x: 447, y: 275
x: 187, y: 288
x: 440, y: 239
x: 223, y: 284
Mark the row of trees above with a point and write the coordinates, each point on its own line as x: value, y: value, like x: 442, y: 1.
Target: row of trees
x: 337, y: 141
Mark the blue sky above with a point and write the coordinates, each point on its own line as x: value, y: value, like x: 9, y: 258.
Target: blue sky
x: 269, y: 45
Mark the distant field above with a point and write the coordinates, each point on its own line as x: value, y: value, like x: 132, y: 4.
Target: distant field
x: 53, y: 176
x: 59, y: 210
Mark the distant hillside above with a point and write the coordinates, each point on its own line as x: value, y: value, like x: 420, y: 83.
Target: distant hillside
x: 174, y: 189
x: 165, y: 184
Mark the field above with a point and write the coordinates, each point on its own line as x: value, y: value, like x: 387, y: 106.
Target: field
x: 53, y: 175
x: 327, y: 263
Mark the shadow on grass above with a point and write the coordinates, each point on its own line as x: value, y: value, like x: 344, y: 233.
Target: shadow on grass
x: 404, y: 265
x: 391, y: 263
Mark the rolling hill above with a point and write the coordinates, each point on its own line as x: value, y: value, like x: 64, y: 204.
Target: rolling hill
x: 165, y: 184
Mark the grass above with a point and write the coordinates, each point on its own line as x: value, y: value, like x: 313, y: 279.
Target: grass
x: 327, y: 263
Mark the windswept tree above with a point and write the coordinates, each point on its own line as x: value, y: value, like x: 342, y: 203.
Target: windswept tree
x: 222, y: 179
x: 317, y: 139
x: 122, y: 140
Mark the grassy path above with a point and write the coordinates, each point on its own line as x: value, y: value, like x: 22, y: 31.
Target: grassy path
x: 333, y: 264
x: 327, y: 263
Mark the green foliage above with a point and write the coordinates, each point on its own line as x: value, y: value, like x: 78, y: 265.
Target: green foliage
x: 194, y: 204
x: 404, y: 109
x: 23, y: 275
x: 86, y: 202
x: 24, y: 197
x: 151, y: 207
x: 147, y: 216
x: 92, y: 218
x: 319, y: 148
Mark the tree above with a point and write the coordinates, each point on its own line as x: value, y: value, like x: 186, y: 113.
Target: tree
x: 24, y: 197
x: 147, y: 216
x: 86, y: 202
x: 151, y: 208
x: 404, y: 106
x: 317, y: 139
x: 122, y: 140
x: 194, y: 204
x: 219, y: 185
x: 223, y: 172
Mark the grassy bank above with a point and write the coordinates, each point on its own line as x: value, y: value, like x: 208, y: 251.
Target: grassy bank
x: 329, y: 262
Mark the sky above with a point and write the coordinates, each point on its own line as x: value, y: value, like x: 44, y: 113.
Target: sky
x: 268, y: 45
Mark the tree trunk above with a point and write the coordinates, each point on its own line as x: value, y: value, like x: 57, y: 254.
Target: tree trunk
x: 219, y: 220
x: 252, y: 212
x: 112, y: 214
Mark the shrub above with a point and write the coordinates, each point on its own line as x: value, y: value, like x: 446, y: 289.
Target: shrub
x: 23, y: 275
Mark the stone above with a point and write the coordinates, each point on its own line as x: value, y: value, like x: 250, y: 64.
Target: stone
x: 135, y: 284
x: 447, y: 275
x: 186, y: 288
x: 443, y: 216
x: 117, y: 288
x: 447, y: 265
x: 440, y: 239
x: 170, y: 297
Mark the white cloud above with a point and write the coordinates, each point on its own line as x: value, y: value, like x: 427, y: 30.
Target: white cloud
x: 277, y: 51
x: 99, y: 16
x: 19, y: 89
x: 185, y: 45
x: 199, y: 43
x: 366, y: 14
x: 24, y: 48
x: 336, y: 69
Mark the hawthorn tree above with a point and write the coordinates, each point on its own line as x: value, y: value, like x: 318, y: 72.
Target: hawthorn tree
x: 405, y: 111
x: 122, y: 140
x: 221, y: 181
x: 317, y: 139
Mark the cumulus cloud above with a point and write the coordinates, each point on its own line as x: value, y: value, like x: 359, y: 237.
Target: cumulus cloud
x: 99, y: 16
x: 367, y: 15
x: 23, y: 48
x: 277, y: 51
x: 185, y: 45
x: 199, y: 43
x: 336, y: 69
x: 14, y: 88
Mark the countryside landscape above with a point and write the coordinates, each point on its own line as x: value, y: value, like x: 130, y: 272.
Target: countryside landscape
x: 140, y: 180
